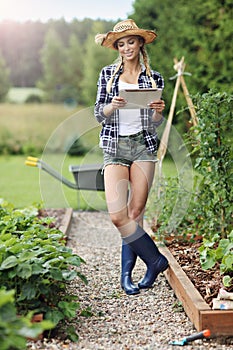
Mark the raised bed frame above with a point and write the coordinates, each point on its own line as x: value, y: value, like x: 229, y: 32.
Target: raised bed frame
x: 66, y: 222
x: 220, y: 322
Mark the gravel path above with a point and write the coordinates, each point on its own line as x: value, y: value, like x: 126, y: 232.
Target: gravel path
x: 120, y: 322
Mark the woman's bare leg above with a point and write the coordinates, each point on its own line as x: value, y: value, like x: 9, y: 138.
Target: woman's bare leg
x: 141, y: 178
x: 126, y: 212
x: 116, y: 193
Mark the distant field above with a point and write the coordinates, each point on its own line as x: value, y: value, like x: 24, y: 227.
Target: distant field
x: 35, y: 125
x: 19, y: 95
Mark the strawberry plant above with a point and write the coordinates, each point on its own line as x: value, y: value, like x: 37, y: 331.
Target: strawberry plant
x: 35, y: 262
x: 14, y: 330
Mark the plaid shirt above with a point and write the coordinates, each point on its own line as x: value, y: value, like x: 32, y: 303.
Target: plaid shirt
x: 110, y: 131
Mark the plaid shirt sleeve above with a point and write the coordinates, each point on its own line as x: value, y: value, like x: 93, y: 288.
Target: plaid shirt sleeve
x: 103, y: 98
x: 160, y: 85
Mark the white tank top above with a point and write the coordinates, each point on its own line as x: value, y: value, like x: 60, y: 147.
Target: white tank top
x: 129, y: 119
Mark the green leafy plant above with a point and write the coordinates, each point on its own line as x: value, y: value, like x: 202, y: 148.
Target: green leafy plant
x: 216, y: 249
x: 209, y: 213
x: 76, y: 148
x: 212, y: 146
x: 35, y: 262
x: 167, y: 212
x: 15, y: 330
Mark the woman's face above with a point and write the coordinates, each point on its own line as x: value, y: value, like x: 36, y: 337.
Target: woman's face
x: 129, y: 47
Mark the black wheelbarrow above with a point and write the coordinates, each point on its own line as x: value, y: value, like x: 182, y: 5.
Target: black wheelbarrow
x: 87, y: 176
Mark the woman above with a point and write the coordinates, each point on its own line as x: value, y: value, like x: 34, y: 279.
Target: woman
x: 129, y: 142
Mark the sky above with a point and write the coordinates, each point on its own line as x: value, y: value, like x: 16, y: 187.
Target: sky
x: 43, y: 10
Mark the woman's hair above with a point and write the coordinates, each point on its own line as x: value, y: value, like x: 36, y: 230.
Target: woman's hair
x: 144, y: 57
x: 119, y: 62
x: 147, y: 65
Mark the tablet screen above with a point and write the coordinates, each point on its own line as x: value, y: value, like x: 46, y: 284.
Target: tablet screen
x: 140, y: 98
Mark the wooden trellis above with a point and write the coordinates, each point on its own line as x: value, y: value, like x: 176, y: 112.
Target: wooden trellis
x: 179, y: 66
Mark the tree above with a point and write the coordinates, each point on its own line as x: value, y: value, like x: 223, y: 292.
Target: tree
x: 54, y: 62
x: 212, y: 43
x: 200, y: 32
x: 4, y: 79
x: 95, y: 58
x: 20, y: 44
x: 74, y: 68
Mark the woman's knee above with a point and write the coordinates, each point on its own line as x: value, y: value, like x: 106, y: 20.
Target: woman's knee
x: 136, y: 213
x: 117, y: 219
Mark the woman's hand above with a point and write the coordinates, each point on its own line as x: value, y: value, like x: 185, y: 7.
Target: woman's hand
x: 158, y: 106
x: 118, y: 102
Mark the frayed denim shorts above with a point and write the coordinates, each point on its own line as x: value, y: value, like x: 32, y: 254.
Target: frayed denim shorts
x: 130, y: 149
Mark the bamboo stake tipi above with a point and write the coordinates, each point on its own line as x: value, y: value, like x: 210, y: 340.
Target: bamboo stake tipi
x: 179, y: 66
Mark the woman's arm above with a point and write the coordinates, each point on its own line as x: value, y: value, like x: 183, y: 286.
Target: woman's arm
x: 105, y: 104
x: 102, y: 97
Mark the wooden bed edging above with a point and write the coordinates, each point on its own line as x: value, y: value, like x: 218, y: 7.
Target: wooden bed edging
x: 66, y: 221
x: 220, y: 322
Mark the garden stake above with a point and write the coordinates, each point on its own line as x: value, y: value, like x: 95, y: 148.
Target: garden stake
x: 185, y: 341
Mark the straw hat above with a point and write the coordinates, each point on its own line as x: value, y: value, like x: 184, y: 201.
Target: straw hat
x: 122, y: 29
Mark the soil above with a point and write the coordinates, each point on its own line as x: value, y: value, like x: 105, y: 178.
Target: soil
x: 207, y: 282
x: 57, y: 214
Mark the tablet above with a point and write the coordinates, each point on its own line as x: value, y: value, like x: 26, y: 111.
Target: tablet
x: 140, y: 98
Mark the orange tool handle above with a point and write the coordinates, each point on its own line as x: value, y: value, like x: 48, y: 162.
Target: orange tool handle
x: 204, y: 334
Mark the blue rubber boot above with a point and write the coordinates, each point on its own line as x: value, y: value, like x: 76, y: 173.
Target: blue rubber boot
x: 143, y: 245
x: 128, y: 260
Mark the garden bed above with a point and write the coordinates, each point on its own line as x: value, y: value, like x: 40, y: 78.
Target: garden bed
x: 63, y: 218
x: 220, y: 322
x: 197, y: 306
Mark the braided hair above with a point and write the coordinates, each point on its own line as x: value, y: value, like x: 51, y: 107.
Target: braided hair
x: 147, y: 65
x: 118, y: 67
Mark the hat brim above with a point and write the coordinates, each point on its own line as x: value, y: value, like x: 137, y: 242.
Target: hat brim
x: 112, y: 37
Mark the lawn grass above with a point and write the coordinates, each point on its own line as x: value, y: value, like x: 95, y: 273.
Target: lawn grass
x: 23, y: 185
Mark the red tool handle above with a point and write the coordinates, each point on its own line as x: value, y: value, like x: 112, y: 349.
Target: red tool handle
x: 200, y: 335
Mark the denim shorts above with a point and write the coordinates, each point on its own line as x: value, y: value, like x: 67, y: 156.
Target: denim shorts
x: 130, y: 149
